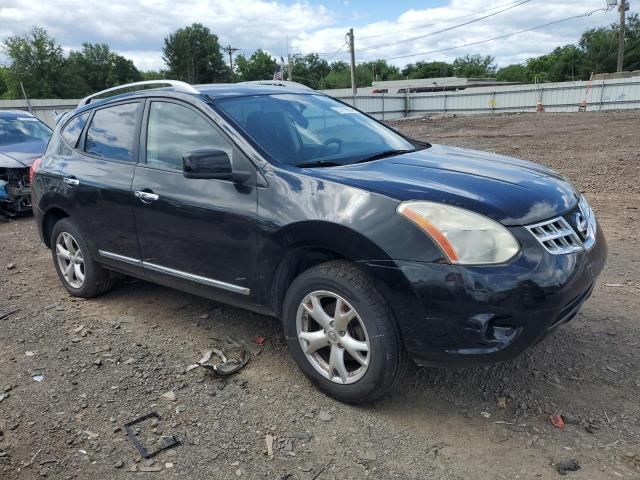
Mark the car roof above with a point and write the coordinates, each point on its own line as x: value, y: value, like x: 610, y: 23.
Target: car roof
x: 13, y: 114
x: 224, y: 90
x: 212, y: 91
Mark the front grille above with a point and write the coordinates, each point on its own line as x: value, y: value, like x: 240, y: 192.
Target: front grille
x: 570, y: 233
x: 556, y: 236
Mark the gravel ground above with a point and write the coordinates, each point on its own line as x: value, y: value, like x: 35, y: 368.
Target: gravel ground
x: 106, y: 361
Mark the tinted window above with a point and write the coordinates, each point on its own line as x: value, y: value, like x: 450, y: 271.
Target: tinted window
x: 112, y: 131
x: 73, y: 129
x: 175, y: 130
x: 302, y: 128
x: 22, y: 129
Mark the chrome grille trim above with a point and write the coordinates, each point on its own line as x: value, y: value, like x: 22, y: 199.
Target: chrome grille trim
x: 592, y: 226
x: 556, y: 236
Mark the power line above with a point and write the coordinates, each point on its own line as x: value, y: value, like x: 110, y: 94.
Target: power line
x: 418, y: 27
x: 337, y: 52
x: 453, y: 27
x: 496, y: 38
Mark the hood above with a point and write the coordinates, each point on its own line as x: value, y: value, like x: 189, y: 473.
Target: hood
x: 21, y: 155
x: 509, y: 190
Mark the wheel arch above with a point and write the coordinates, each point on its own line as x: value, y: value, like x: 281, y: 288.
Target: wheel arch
x: 52, y: 216
x: 303, y: 245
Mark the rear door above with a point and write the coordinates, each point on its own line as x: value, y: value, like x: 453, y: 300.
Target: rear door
x: 97, y: 177
x: 194, y: 233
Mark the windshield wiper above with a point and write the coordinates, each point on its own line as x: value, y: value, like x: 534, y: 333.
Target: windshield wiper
x: 318, y: 163
x: 384, y: 154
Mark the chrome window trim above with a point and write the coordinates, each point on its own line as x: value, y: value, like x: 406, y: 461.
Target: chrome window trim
x: 196, y: 278
x: 121, y: 258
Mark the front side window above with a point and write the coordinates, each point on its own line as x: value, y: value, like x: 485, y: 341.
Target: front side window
x: 73, y: 129
x: 311, y: 130
x: 112, y: 132
x: 175, y: 130
x: 22, y: 129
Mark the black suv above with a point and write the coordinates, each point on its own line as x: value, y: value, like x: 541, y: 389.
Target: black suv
x: 373, y: 248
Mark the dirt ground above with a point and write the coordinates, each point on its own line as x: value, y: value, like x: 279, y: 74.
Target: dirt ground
x: 106, y: 361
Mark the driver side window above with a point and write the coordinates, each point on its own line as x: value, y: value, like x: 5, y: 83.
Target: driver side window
x: 174, y: 130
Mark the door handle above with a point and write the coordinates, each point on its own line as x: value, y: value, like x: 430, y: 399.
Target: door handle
x: 146, y: 197
x: 71, y: 181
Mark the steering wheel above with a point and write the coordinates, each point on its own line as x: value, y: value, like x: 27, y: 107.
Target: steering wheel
x: 325, y: 146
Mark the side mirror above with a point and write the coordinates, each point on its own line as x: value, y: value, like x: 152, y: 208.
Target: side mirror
x: 206, y: 164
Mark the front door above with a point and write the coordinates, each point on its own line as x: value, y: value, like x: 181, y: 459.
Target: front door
x: 193, y: 233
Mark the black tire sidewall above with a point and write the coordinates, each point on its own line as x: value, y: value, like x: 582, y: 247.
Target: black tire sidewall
x: 91, y: 269
x: 385, y: 344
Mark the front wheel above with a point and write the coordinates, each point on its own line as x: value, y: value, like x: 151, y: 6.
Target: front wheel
x: 342, y: 334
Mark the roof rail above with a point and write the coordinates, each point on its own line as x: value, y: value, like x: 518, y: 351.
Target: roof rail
x: 177, y: 85
x: 278, y: 83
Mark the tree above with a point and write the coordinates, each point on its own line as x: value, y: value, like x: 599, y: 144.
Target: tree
x: 600, y: 47
x: 4, y: 82
x: 474, y: 66
x: 154, y: 75
x: 382, y: 70
x: 37, y: 62
x: 310, y: 70
x: 193, y: 54
x: 513, y: 73
x: 259, y: 66
x: 428, y: 70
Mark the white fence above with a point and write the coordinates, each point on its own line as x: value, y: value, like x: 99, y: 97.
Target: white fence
x: 554, y: 97
x: 45, y: 110
x: 599, y: 95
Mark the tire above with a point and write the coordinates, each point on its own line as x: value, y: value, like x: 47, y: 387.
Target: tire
x: 97, y: 280
x: 372, y: 324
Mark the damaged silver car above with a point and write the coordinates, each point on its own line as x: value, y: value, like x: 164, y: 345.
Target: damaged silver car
x: 23, y: 140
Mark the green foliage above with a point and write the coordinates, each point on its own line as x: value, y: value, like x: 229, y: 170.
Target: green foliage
x: 193, y: 54
x: 100, y: 68
x: 4, y: 82
x: 259, y: 66
x: 36, y: 61
x: 310, y: 70
x: 474, y: 66
x: 563, y: 64
x: 428, y: 70
x: 513, y: 73
x: 154, y: 75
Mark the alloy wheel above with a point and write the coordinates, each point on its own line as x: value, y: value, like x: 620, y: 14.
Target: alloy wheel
x: 70, y: 260
x: 333, y: 337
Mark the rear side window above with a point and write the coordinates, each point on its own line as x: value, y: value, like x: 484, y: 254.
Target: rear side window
x: 112, y: 132
x: 73, y: 129
x: 175, y: 130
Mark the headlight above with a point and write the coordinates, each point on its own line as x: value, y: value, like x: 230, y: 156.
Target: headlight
x: 466, y: 238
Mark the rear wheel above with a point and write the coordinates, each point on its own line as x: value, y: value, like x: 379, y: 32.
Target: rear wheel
x: 342, y: 334
x: 78, y: 272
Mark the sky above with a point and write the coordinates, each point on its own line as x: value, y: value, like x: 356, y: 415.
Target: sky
x: 137, y: 28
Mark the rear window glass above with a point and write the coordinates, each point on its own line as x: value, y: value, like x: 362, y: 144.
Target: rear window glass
x: 73, y: 129
x: 112, y: 131
x: 22, y: 129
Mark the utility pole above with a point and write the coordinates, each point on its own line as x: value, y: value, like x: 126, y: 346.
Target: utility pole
x: 623, y: 18
x: 354, y: 85
x: 229, y: 49
x: 24, y: 94
x: 289, y: 64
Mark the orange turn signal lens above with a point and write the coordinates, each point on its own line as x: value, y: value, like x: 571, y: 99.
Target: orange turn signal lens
x: 432, y: 231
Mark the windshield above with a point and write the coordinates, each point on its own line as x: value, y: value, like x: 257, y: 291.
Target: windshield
x: 311, y: 130
x: 23, y: 129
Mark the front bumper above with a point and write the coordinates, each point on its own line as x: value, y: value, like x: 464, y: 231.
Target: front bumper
x: 452, y: 315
